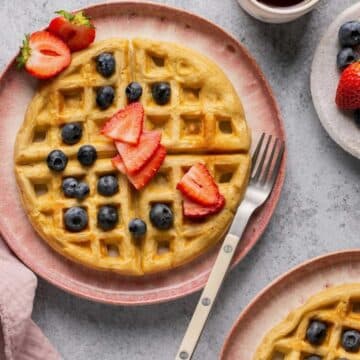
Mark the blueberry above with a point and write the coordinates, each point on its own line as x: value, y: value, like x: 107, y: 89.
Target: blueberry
x: 313, y: 357
x: 351, y: 340
x: 105, y: 64
x: 316, y: 332
x: 133, y: 91
x: 107, y: 217
x: 76, y: 219
x: 161, y: 216
x: 137, y: 227
x: 57, y: 160
x: 69, y: 186
x: 81, y: 191
x: 107, y: 185
x: 349, y: 33
x: 105, y: 96
x: 71, y: 133
x: 357, y: 117
x: 345, y: 57
x: 161, y: 92
x: 87, y: 155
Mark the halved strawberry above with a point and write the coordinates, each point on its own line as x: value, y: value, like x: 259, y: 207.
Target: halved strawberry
x: 136, y: 156
x: 141, y: 178
x: 75, y: 29
x: 198, y: 185
x: 126, y: 125
x: 195, y: 211
x: 348, y: 90
x: 43, y: 55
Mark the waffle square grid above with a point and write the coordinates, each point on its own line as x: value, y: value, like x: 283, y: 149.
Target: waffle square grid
x: 203, y: 122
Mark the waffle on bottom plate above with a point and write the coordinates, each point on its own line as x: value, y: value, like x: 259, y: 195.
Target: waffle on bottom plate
x: 336, y: 307
x: 203, y: 122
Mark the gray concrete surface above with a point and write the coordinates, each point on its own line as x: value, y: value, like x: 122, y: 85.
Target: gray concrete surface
x: 319, y: 210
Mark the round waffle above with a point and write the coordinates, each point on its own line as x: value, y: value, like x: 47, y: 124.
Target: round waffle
x: 204, y: 121
x: 338, y: 307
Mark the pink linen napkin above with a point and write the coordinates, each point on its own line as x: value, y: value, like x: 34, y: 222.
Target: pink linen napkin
x: 20, y: 337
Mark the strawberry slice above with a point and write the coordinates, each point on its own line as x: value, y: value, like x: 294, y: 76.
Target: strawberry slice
x: 198, y: 185
x: 43, y: 55
x: 76, y: 30
x: 119, y: 164
x: 194, y: 211
x: 136, y: 156
x: 126, y: 125
x: 141, y: 178
x: 348, y: 90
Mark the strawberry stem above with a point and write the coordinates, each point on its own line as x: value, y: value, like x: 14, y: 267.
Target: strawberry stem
x: 25, y: 53
x: 66, y: 14
x: 78, y: 18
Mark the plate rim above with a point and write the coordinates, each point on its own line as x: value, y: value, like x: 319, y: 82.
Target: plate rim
x: 317, y: 54
x: 280, y: 281
x: 183, y: 290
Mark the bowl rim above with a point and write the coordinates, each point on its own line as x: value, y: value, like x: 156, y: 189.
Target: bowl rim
x: 302, y: 7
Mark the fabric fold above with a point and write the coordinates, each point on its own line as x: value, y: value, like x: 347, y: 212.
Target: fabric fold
x: 20, y: 337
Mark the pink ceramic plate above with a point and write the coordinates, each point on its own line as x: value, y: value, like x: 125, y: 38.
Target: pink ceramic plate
x: 287, y: 293
x: 129, y: 19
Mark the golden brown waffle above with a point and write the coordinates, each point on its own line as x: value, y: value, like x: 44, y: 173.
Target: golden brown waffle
x: 204, y: 114
x: 338, y: 307
x: 203, y: 122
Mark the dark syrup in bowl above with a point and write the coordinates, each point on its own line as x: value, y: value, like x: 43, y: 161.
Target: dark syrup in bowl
x: 280, y: 3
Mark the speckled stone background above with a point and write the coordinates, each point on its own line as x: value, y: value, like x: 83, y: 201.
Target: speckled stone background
x: 319, y: 211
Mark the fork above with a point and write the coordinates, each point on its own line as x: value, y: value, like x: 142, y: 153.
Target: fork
x: 264, y: 171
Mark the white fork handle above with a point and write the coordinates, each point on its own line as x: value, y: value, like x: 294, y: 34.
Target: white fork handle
x: 210, y: 292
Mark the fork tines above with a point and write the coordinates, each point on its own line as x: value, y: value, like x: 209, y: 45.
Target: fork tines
x: 266, y: 160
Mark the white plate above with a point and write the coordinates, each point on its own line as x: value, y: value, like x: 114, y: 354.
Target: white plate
x: 324, y: 79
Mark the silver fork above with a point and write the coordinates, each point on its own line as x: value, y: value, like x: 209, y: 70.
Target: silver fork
x: 265, y: 169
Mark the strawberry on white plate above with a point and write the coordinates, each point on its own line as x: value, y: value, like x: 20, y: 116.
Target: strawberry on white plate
x: 348, y: 90
x: 43, y: 55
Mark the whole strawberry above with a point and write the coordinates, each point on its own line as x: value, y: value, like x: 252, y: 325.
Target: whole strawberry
x: 76, y: 30
x: 348, y: 91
